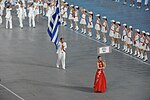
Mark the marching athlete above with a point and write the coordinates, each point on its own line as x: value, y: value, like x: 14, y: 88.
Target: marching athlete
x: 71, y: 16
x: 98, y: 26
x: 124, y: 37
x: 104, y: 29
x: 139, y: 3
x: 129, y: 40
x: 146, y: 5
x: 21, y: 14
x: 131, y: 3
x: 65, y: 14
x: 90, y: 24
x: 45, y: 5
x: 83, y: 21
x: 61, y: 51
x: 76, y: 17
x: 31, y: 15
x: 136, y: 43
x: 112, y: 32
x: 49, y: 13
x: 117, y: 35
x: 62, y: 11
x: 8, y: 17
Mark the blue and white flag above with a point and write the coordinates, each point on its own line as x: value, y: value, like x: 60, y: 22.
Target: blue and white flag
x: 54, y: 25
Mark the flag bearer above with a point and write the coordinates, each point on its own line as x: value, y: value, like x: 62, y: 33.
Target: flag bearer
x: 61, y: 51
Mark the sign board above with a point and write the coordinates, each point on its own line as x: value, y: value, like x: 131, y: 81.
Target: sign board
x: 104, y: 50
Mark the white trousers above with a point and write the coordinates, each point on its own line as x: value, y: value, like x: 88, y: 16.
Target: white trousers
x: 21, y: 22
x: 146, y: 2
x: 1, y: 20
x: 32, y: 21
x: 61, y: 58
x: 9, y: 20
x: 49, y: 19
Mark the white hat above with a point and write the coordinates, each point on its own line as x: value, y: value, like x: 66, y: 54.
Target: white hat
x: 66, y: 3
x: 137, y: 30
x: 147, y: 33
x: 71, y: 5
x: 98, y: 15
x: 84, y: 9
x: 63, y: 0
x: 104, y: 17
x: 90, y: 12
x: 112, y: 21
x: 124, y: 24
x: 130, y: 26
x: 76, y: 6
x: 117, y: 22
x: 143, y: 32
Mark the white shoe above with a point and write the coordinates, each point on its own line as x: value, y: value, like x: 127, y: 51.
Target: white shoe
x: 128, y: 51
x: 141, y: 57
x: 146, y: 9
x: 64, y: 68
x: 131, y: 52
x: 133, y: 5
x: 124, y: 3
x: 145, y: 59
x: 115, y: 45
x: 57, y: 66
x: 130, y: 5
x: 135, y: 53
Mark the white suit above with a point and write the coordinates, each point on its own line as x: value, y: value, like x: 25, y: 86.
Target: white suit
x: 2, y: 5
x: 49, y: 14
x: 61, y: 54
x: 8, y: 17
x: 21, y: 15
x: 31, y: 16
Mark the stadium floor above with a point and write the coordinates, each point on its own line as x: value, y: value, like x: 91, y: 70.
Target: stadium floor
x: 28, y: 67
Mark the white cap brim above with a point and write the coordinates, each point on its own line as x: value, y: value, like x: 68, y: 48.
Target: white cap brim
x: 117, y: 22
x: 147, y: 33
x: 124, y: 24
x: 104, y: 17
x: 143, y: 32
x: 98, y: 15
x: 90, y: 12
x: 137, y: 30
x: 130, y: 26
x: 113, y: 21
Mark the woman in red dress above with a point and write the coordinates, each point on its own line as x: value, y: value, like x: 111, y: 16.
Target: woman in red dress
x: 100, y: 80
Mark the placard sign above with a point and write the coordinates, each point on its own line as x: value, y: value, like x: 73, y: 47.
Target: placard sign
x: 104, y: 50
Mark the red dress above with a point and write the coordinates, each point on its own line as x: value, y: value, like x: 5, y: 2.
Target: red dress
x: 100, y: 80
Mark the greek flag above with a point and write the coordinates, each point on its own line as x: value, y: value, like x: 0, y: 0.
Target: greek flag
x: 54, y: 25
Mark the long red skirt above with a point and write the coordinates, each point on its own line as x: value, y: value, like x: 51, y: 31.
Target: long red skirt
x: 100, y: 81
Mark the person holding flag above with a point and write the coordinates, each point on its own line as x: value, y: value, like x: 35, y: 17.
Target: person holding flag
x: 61, y: 51
x: 53, y: 32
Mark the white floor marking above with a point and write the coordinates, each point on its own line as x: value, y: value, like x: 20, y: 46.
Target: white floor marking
x: 107, y: 45
x: 11, y: 92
